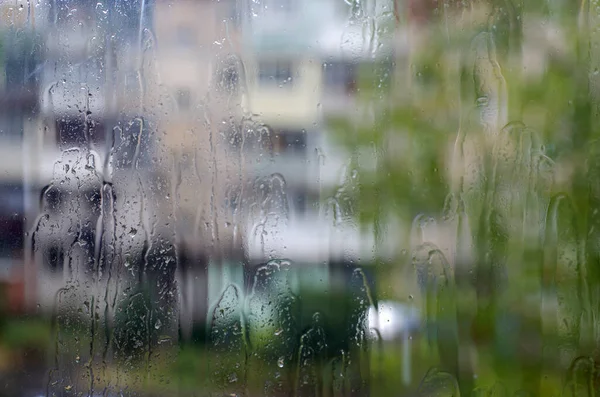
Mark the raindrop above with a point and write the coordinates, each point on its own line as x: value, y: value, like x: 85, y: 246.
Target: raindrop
x: 440, y: 384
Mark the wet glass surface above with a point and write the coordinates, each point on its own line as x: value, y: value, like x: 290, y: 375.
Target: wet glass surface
x: 299, y: 198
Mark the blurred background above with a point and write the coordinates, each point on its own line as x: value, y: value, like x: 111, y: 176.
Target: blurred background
x: 299, y: 198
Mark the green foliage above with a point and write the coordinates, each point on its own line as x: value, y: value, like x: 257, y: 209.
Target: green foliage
x: 491, y: 128
x: 26, y: 333
x: 139, y: 324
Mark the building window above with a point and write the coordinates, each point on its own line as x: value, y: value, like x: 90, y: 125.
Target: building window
x: 340, y: 76
x: 70, y: 132
x: 11, y: 220
x: 97, y: 133
x: 299, y: 201
x: 289, y: 142
x: 275, y: 72
x: 184, y: 99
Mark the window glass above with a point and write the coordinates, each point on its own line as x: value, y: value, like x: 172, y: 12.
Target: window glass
x: 275, y: 72
x: 299, y: 198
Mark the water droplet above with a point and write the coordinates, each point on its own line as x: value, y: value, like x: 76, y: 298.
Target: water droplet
x: 158, y: 324
x: 280, y: 362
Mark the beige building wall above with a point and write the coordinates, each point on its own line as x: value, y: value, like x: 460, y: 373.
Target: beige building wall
x: 197, y: 44
x: 294, y: 104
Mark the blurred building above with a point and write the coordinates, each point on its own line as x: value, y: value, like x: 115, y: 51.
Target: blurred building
x: 141, y: 101
x: 303, y: 60
x: 198, y: 86
x: 18, y: 98
x: 198, y: 116
x: 205, y: 121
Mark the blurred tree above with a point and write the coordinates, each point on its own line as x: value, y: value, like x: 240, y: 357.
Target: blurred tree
x: 493, y: 134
